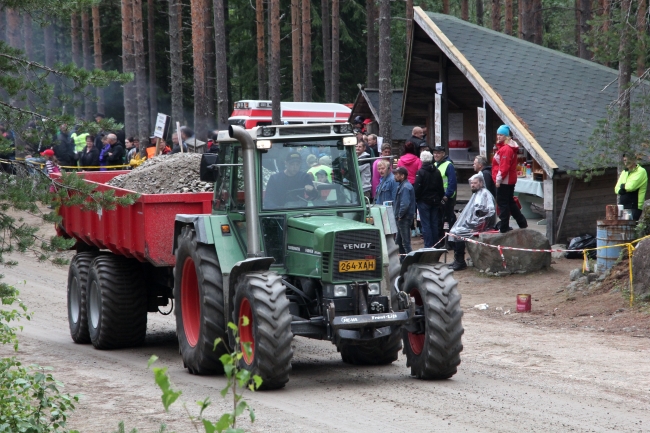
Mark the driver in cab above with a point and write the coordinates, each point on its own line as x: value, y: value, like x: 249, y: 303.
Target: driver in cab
x: 291, y: 187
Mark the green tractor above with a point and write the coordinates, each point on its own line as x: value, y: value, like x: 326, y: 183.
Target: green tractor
x: 297, y: 250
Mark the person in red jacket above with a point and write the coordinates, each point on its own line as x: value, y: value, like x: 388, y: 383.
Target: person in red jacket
x: 504, y: 174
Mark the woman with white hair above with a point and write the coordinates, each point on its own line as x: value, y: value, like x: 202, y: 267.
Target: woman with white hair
x: 429, y: 191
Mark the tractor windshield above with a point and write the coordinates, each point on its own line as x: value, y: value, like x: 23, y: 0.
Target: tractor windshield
x: 309, y: 173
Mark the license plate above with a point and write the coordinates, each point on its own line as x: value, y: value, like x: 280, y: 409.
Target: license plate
x: 356, y: 265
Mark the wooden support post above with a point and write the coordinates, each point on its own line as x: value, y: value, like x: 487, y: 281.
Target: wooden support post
x: 564, y: 205
x: 444, y: 108
x: 431, y: 126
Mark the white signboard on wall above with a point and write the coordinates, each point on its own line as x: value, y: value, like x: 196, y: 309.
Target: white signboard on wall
x: 482, y: 138
x: 456, y: 126
x: 438, y: 122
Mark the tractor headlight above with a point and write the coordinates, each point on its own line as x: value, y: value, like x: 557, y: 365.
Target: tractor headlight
x: 373, y: 288
x: 340, y: 291
x: 344, y: 128
x: 267, y: 132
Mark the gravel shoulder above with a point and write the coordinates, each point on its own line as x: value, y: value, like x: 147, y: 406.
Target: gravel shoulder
x: 519, y: 372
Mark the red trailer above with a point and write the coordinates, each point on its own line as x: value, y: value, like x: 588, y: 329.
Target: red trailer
x: 124, y: 264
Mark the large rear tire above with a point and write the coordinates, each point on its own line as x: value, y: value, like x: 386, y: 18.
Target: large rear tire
x: 434, y: 354
x: 116, y: 297
x: 198, y: 291
x: 77, y: 310
x: 261, y: 297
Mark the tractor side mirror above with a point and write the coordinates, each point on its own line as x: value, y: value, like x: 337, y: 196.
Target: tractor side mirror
x: 209, y: 172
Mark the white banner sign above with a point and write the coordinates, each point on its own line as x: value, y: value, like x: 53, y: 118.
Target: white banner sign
x: 161, y: 125
x: 438, y: 121
x: 482, y: 138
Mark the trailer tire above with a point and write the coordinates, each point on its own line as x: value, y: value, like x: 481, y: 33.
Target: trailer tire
x: 77, y: 310
x: 116, y: 296
x: 382, y: 351
x: 435, y: 354
x: 198, y: 291
x: 261, y: 297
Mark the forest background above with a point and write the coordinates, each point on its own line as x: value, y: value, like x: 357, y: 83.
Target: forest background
x: 192, y: 59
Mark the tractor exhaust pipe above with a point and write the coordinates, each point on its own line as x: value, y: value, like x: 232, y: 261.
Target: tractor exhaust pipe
x: 250, y: 196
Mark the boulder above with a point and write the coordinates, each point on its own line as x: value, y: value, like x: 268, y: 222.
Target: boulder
x: 641, y: 270
x: 485, y: 257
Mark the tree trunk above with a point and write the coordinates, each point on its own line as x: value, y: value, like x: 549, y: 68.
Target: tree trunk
x: 445, y: 9
x: 464, y: 10
x: 373, y: 41
x: 142, y: 89
x: 97, y: 45
x: 306, y: 51
x: 87, y: 60
x: 520, y: 12
x: 336, y: 22
x: 176, y: 59
x: 261, y: 55
x: 210, y: 69
x: 274, y: 78
x: 3, y: 25
x: 49, y: 45
x: 76, y: 59
x: 385, y: 86
x: 153, y: 86
x: 27, y: 36
x: 327, y: 48
x: 296, y: 65
x: 13, y: 28
x: 584, y: 15
x: 496, y: 15
x: 128, y: 66
x: 199, y: 12
x: 527, y: 21
x: 538, y: 22
x: 606, y: 6
x: 409, y: 23
x: 641, y: 30
x: 479, y: 12
x: 221, y: 56
x: 624, y: 69
x: 509, y: 12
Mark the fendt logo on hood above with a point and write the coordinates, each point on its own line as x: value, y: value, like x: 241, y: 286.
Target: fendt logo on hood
x: 357, y: 246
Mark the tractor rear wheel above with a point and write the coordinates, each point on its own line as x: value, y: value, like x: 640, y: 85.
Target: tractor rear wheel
x: 77, y: 310
x: 261, y: 297
x: 434, y: 354
x: 116, y: 296
x: 198, y: 291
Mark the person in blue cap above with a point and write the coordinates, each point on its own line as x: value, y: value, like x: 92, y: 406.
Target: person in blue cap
x: 504, y: 174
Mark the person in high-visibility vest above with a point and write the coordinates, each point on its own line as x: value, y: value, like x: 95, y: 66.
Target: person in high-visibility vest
x: 631, y: 186
x: 448, y: 201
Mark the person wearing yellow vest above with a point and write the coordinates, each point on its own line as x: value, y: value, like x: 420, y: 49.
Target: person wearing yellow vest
x: 79, y: 141
x: 631, y: 186
x: 448, y: 201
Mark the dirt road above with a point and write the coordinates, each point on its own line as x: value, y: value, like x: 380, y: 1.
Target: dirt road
x: 514, y: 376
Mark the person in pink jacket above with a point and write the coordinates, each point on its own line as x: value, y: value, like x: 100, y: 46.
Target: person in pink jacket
x: 410, y: 161
x: 504, y: 174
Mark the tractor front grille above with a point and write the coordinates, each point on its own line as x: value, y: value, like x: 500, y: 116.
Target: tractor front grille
x: 361, y: 244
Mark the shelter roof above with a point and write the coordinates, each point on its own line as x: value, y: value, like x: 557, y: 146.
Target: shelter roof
x: 552, y: 101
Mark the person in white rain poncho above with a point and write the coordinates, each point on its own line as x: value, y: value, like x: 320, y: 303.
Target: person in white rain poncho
x: 479, y: 215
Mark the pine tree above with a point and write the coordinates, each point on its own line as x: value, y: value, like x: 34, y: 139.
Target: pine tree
x: 140, y: 73
x: 326, y: 31
x: 128, y: 66
x: 296, y: 66
x: 87, y: 61
x: 336, y: 22
x: 221, y: 54
x: 176, y: 59
x: 153, y: 86
x: 385, y: 86
x: 261, y: 53
x: 306, y: 51
x: 97, y: 45
x: 274, y: 76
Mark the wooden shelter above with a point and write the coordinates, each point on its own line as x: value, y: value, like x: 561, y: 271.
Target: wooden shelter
x: 551, y: 101
x: 367, y: 106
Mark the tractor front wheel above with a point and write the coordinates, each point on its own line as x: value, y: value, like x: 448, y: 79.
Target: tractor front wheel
x: 434, y: 353
x: 198, y: 291
x: 261, y: 297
